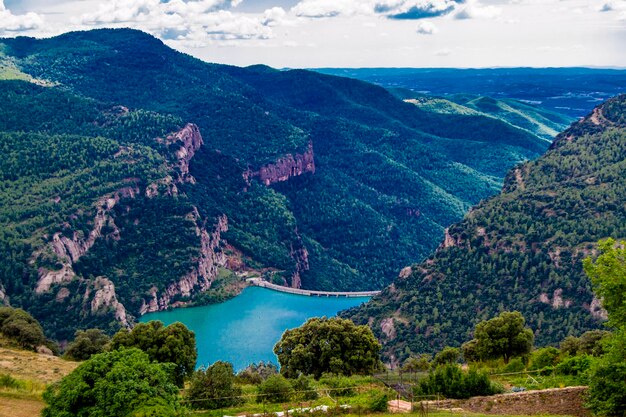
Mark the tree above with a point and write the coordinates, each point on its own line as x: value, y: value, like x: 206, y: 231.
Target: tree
x: 119, y: 383
x: 503, y: 336
x: 446, y: 355
x: 275, y: 389
x: 214, y: 387
x: 303, y: 388
x: 328, y: 345
x: 172, y: 344
x: 608, y: 276
x: 607, y: 376
x: 417, y: 363
x: 87, y: 343
x: 19, y: 326
x: 256, y: 373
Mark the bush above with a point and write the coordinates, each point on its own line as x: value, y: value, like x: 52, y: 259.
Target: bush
x: 544, y: 357
x: 575, y: 365
x: 304, y: 390
x: 214, y: 387
x: 515, y: 365
x: 451, y: 382
x: 275, y: 389
x: 377, y: 401
x: 7, y: 381
x: 340, y: 386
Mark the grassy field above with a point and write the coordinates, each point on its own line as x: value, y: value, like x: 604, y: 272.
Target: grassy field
x: 30, y: 373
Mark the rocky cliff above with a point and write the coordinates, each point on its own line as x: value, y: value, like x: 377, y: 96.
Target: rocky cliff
x: 203, y: 273
x: 284, y: 168
x: 69, y: 249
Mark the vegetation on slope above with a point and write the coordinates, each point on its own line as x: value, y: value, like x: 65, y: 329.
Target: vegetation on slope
x: 521, y: 250
x: 390, y: 177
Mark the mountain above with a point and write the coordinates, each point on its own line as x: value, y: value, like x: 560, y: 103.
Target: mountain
x: 572, y: 91
x: 136, y: 176
x: 521, y: 250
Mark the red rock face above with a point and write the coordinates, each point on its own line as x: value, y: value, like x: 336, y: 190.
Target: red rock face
x: 284, y: 168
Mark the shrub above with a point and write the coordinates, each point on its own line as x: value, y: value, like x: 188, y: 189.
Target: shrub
x: 340, y: 386
x: 575, y: 365
x: 7, y: 381
x: 451, y: 382
x: 377, y: 401
x: 515, y: 365
x: 544, y: 357
x: 275, y: 389
x: 304, y: 390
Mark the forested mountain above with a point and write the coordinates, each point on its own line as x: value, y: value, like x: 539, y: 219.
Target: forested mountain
x: 132, y: 174
x: 521, y: 250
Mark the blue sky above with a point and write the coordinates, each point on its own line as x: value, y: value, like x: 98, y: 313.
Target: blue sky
x: 352, y: 33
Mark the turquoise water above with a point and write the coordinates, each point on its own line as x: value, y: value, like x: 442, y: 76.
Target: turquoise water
x: 245, y: 329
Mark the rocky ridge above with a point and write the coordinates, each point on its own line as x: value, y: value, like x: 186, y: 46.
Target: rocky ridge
x: 284, y: 168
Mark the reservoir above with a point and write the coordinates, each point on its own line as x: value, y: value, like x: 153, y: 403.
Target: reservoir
x: 245, y: 329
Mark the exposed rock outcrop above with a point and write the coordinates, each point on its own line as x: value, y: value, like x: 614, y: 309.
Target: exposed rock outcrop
x: 301, y: 256
x: 284, y: 168
x: 184, y: 144
x: 201, y: 276
x: 69, y: 249
x: 104, y: 298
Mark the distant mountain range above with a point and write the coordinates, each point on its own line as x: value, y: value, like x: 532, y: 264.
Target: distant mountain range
x: 521, y: 250
x: 134, y: 176
x: 572, y: 91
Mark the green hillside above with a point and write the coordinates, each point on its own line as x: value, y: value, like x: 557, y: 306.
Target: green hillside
x: 134, y: 174
x: 521, y: 250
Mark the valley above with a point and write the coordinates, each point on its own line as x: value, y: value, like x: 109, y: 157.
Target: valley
x: 140, y: 186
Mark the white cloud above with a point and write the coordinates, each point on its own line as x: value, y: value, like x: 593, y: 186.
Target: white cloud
x: 443, y: 52
x: 393, y: 9
x: 473, y: 9
x: 17, y: 23
x: 426, y: 28
x: 195, y: 22
x: 331, y: 8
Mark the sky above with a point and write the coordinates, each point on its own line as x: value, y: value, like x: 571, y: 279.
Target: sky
x: 352, y: 33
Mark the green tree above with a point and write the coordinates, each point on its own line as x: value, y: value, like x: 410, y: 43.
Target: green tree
x: 503, y: 336
x: 607, y: 376
x: 214, y: 387
x: 418, y: 363
x: 19, y: 326
x: 275, y: 389
x: 328, y: 345
x: 447, y: 355
x: 172, y: 344
x: 87, y: 343
x: 608, y: 276
x: 257, y: 373
x: 112, y: 384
